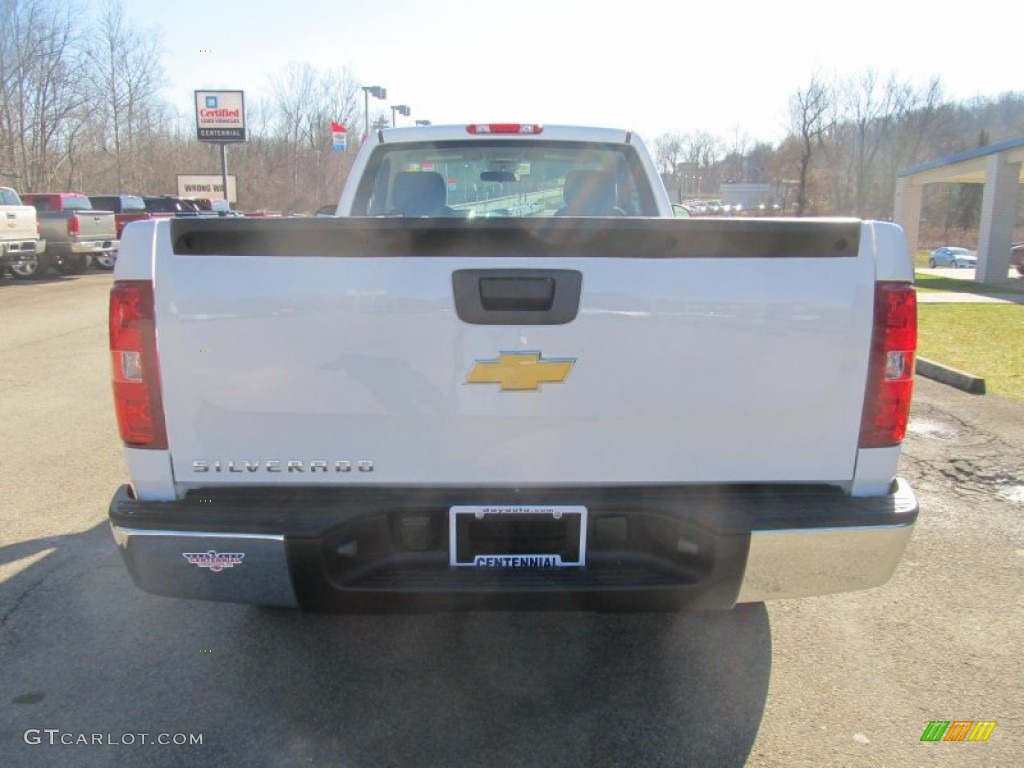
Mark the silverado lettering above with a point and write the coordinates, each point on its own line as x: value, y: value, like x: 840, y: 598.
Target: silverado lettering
x: 273, y: 465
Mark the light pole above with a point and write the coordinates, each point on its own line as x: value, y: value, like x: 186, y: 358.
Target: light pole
x: 378, y: 92
x: 695, y: 178
x: 401, y: 109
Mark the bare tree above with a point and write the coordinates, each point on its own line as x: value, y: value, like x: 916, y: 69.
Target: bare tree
x: 701, y: 149
x: 700, y: 154
x: 307, y: 101
x: 124, y: 64
x: 734, y: 162
x: 873, y: 107
x: 43, y: 93
x: 667, y: 150
x: 293, y: 92
x: 8, y: 86
x: 809, y: 110
x: 758, y: 161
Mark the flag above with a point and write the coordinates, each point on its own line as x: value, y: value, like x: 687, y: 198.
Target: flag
x: 338, y: 136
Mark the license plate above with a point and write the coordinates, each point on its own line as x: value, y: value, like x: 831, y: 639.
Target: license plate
x: 515, y: 536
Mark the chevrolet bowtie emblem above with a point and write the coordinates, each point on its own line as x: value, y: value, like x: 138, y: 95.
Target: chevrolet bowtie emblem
x: 520, y: 371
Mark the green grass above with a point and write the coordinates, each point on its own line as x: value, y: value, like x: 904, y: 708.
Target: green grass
x: 928, y: 282
x: 984, y: 339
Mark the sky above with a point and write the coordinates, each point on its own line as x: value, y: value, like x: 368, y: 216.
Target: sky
x: 728, y: 68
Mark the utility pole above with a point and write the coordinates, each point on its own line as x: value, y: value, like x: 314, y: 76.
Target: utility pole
x: 378, y: 92
x: 401, y: 109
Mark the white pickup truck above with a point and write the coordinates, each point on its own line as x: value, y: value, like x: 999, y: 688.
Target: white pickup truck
x: 19, y: 231
x: 505, y: 376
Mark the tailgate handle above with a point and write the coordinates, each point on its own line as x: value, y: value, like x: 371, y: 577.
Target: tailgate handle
x: 529, y: 294
x: 517, y: 296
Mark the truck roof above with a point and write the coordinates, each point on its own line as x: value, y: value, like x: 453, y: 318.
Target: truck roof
x: 54, y: 194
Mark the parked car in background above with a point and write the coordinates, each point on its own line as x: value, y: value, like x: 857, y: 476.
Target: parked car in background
x: 1017, y: 258
x: 952, y: 256
x: 20, y: 241
x: 126, y: 209
x: 170, y: 205
x: 213, y: 205
x: 74, y: 233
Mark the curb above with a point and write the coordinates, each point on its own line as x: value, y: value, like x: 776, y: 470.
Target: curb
x: 951, y: 376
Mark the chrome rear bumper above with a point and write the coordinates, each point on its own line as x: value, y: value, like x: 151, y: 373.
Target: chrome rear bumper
x: 94, y: 246
x: 194, y: 565
x: 821, y: 561
x: 658, y: 549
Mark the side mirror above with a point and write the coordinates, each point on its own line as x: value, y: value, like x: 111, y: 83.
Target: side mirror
x: 680, y: 211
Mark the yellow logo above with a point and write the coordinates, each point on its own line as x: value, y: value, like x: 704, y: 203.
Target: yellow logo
x: 520, y: 371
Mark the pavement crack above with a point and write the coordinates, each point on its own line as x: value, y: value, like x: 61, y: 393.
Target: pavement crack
x: 20, y: 599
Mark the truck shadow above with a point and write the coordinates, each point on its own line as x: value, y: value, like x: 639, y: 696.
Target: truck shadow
x: 545, y: 689
x: 268, y: 686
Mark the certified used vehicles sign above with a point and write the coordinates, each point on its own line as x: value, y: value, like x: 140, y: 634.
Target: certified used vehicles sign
x: 220, y: 115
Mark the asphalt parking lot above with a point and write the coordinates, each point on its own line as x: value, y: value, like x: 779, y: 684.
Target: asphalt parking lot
x: 849, y: 680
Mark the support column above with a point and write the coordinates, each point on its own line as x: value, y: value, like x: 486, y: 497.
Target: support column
x: 998, y: 215
x: 224, y: 171
x: 907, y: 211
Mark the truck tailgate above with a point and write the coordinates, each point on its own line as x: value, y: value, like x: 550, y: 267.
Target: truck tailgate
x: 17, y: 223
x: 702, y: 351
x: 96, y: 225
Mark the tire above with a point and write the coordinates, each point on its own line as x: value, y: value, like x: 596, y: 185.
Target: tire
x: 105, y: 261
x: 1020, y: 270
x: 931, y: 263
x: 72, y: 263
x: 31, y: 268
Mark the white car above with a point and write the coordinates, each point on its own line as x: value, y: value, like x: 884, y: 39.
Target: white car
x: 951, y: 256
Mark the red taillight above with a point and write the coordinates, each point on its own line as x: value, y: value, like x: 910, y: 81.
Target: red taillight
x: 891, y: 368
x: 136, y: 370
x: 504, y: 128
x: 73, y: 225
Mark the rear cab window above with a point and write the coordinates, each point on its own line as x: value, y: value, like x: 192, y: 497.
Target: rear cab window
x: 76, y: 203
x: 502, y: 179
x: 132, y: 204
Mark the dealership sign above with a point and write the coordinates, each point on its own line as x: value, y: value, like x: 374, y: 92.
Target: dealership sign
x: 220, y: 115
x: 200, y: 185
